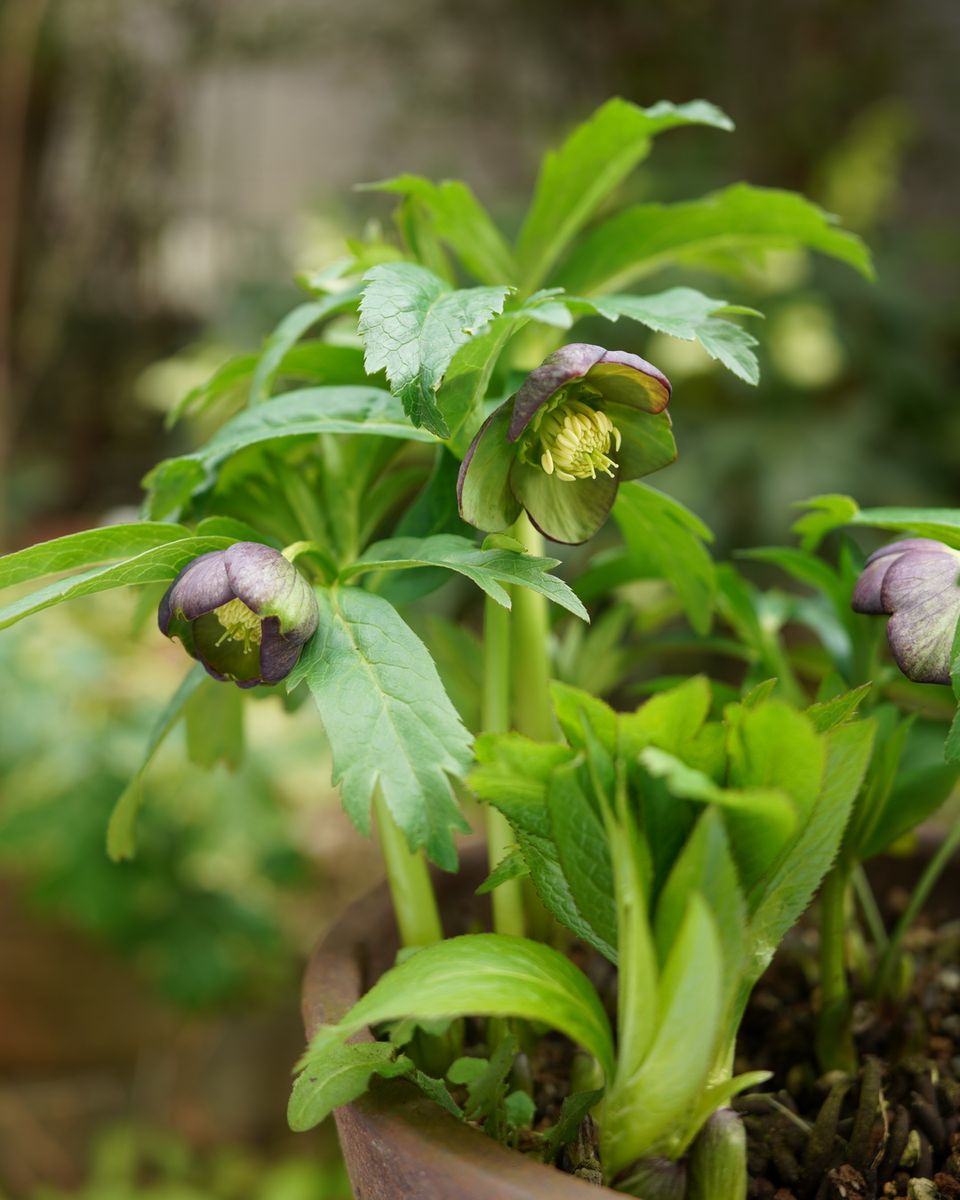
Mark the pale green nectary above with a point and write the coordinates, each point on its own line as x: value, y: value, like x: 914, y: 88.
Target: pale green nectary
x: 584, y: 420
x: 917, y: 583
x: 245, y: 613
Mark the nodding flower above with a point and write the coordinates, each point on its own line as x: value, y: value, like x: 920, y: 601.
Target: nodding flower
x: 917, y: 583
x: 584, y: 420
x: 245, y: 613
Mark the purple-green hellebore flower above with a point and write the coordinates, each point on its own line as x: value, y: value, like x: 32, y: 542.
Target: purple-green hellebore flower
x: 244, y: 613
x: 584, y: 420
x: 916, y: 582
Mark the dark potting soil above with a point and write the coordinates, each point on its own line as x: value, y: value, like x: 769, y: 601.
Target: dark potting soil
x: 894, y: 1128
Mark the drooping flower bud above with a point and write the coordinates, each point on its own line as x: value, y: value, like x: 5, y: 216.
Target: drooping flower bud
x: 917, y: 582
x: 584, y: 420
x: 244, y: 613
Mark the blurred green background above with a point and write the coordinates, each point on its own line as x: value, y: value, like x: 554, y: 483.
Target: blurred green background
x: 165, y: 167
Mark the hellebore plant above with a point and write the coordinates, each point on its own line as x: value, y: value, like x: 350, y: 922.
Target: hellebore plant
x: 347, y: 480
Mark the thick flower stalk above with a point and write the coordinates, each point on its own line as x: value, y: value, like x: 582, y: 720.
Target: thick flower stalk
x: 244, y: 613
x: 917, y: 583
x: 584, y: 420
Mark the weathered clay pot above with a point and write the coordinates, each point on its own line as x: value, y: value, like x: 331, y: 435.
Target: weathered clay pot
x: 397, y: 1144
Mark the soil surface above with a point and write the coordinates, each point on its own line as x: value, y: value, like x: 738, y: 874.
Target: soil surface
x: 893, y: 1130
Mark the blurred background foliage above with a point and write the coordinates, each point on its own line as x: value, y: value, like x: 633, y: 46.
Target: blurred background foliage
x: 165, y: 168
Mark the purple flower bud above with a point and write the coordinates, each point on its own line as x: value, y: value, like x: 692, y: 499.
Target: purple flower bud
x: 584, y: 420
x: 916, y: 582
x: 245, y: 613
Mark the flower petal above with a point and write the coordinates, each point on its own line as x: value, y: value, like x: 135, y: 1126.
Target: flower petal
x: 271, y: 586
x: 278, y: 655
x: 922, y: 591
x: 562, y: 367
x: 646, y: 440
x: 868, y: 594
x: 567, y: 511
x: 483, y: 485
x: 630, y: 380
x: 200, y: 587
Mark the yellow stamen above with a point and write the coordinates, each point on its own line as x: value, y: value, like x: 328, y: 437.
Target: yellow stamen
x: 575, y: 441
x: 240, y: 624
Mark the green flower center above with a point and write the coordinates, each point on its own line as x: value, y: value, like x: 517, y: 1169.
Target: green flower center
x: 240, y: 624
x: 572, y: 440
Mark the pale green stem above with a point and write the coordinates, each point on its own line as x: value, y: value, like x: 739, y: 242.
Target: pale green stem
x: 507, y: 899
x: 532, y: 708
x: 414, y: 902
x: 934, y: 869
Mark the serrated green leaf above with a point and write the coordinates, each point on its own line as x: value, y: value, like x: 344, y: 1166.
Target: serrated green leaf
x: 774, y: 747
x: 486, y: 1082
x: 460, y: 220
x: 667, y: 540
x: 583, y: 853
x: 572, y: 1113
x: 339, y: 1076
x: 489, y: 569
x: 412, y: 325
x: 512, y: 774
x: 740, y: 220
x: 782, y: 897
x: 389, y: 722
x: 484, y: 974
x: 151, y: 566
x: 438, y: 1092
x: 290, y: 330
x: 306, y: 412
x: 670, y: 720
x: 685, y: 313
x: 941, y: 524
x: 512, y: 866
x: 575, y: 179
x: 827, y: 513
x: 121, y: 830
x: 760, y: 821
x: 553, y: 888
x: 830, y: 713
x: 91, y: 547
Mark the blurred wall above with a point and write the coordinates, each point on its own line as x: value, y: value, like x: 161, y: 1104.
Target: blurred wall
x: 167, y: 163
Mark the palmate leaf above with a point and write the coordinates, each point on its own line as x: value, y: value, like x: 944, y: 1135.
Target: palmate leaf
x: 667, y: 541
x: 343, y: 1075
x: 308, y: 411
x: 594, y: 159
x: 156, y: 565
x: 86, y: 549
x: 412, y: 324
x: 460, y: 220
x: 290, y: 330
x: 489, y: 569
x: 688, y: 314
x: 389, y: 721
x: 484, y: 974
x: 740, y: 220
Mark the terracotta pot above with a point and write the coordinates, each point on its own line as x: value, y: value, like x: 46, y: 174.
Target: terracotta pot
x: 398, y: 1145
